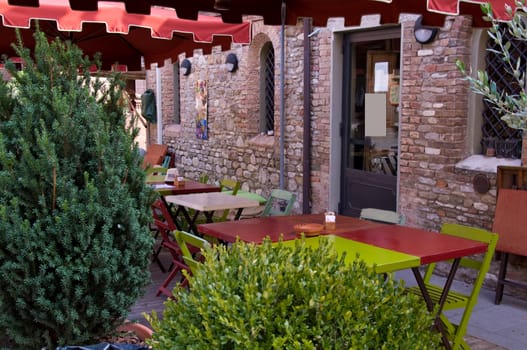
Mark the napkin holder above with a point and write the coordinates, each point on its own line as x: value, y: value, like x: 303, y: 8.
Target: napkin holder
x: 171, y: 176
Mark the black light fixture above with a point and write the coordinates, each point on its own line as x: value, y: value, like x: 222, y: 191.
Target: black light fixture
x: 185, y: 67
x: 423, y: 35
x: 222, y: 5
x: 231, y: 63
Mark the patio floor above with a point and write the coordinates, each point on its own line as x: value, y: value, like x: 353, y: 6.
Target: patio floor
x: 150, y: 301
x: 491, y: 327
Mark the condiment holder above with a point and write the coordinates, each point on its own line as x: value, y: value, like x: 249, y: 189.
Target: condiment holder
x: 179, y: 181
x: 330, y: 221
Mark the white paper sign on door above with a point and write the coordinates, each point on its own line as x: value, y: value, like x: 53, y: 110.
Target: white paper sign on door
x: 375, y: 115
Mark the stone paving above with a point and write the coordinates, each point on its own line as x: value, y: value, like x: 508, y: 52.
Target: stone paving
x: 491, y: 326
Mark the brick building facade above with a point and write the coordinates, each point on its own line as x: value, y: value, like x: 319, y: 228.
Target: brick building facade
x: 435, y: 123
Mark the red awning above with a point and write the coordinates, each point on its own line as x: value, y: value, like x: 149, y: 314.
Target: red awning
x: 433, y: 11
x: 120, y: 36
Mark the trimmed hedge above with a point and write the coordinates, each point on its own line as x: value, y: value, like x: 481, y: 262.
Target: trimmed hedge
x: 274, y: 297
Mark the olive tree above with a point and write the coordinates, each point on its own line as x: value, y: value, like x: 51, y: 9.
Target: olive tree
x: 512, y: 106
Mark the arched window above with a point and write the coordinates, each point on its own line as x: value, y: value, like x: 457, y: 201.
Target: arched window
x: 267, y: 89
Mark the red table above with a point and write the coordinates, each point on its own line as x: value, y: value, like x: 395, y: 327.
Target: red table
x: 189, y: 186
x: 428, y: 246
x: 256, y: 229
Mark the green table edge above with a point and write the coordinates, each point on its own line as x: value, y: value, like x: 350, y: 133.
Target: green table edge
x: 380, y: 260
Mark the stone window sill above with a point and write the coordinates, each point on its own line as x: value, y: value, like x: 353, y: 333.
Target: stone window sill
x: 485, y: 164
x: 172, y: 130
x: 262, y: 141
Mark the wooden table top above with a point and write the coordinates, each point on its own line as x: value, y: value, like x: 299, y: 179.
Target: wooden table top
x: 211, y: 201
x: 189, y: 186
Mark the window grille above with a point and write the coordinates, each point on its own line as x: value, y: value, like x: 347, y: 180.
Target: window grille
x: 267, y: 89
x: 495, y: 132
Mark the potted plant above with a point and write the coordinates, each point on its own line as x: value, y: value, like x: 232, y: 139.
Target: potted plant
x: 270, y: 296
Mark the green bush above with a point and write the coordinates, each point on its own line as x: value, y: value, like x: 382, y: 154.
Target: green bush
x: 74, y: 207
x: 274, y: 297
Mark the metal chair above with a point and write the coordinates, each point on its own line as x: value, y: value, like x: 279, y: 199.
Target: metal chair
x: 191, y: 246
x: 233, y: 187
x: 457, y: 300
x: 381, y: 215
x: 166, y: 162
x: 280, y: 202
x: 203, y: 178
x: 155, y: 174
x: 165, y: 224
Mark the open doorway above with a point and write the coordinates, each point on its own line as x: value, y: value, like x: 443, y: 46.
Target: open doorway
x: 370, y: 141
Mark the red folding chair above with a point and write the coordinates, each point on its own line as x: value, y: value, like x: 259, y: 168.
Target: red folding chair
x: 165, y: 225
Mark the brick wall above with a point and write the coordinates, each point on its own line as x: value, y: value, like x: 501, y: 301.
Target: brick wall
x: 235, y: 148
x: 434, y: 122
x: 433, y: 126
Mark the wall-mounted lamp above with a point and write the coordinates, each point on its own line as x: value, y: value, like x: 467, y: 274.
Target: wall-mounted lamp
x: 423, y: 35
x: 222, y: 5
x: 185, y: 67
x: 231, y: 63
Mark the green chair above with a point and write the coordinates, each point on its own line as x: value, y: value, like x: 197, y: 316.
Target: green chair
x: 381, y: 215
x: 457, y: 300
x: 384, y: 216
x: 187, y: 243
x: 166, y: 162
x: 280, y: 202
x: 155, y: 174
x: 232, y: 186
x: 203, y: 178
x: 156, y: 170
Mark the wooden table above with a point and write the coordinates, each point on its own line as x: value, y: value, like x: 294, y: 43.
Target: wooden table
x: 384, y: 248
x: 189, y: 186
x: 207, y: 203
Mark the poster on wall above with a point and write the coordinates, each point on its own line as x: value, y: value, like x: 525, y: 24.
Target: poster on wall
x: 201, y: 110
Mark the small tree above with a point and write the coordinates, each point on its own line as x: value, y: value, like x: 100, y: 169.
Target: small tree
x: 513, y: 107
x: 74, y: 207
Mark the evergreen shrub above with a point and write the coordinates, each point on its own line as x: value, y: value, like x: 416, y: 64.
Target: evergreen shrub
x: 276, y: 297
x: 74, y: 207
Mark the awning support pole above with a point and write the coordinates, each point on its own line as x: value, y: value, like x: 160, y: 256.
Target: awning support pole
x: 282, y: 96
